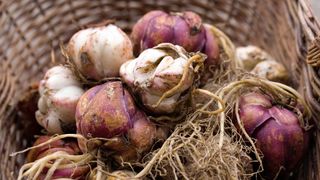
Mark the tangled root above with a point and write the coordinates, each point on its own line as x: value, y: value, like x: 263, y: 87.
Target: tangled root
x: 225, y: 70
x: 92, y: 157
x: 53, y: 162
x: 226, y: 163
x: 59, y: 160
x: 192, y: 151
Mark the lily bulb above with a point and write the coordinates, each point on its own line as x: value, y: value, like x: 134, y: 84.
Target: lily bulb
x: 271, y: 70
x: 59, y: 94
x: 99, y: 52
x: 249, y: 56
x: 157, y: 71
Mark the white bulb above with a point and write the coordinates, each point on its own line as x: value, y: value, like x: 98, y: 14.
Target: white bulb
x: 59, y: 93
x: 99, y: 52
x: 249, y: 56
x: 154, y: 73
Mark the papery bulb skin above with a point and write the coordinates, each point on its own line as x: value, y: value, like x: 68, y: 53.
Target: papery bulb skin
x: 159, y: 30
x: 59, y: 93
x: 211, y: 48
x: 156, y: 71
x: 279, y: 136
x: 105, y: 111
x: 248, y: 57
x: 271, y: 70
x: 143, y: 133
x: 189, y: 31
x: 138, y: 140
x: 108, y: 111
x: 98, y: 52
x: 282, y: 141
x: 140, y: 27
x: 184, y: 29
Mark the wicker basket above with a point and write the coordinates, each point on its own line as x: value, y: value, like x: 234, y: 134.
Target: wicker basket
x: 32, y: 30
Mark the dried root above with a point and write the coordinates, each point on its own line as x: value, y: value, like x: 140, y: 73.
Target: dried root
x: 53, y: 162
x: 57, y: 163
x: 227, y: 57
x: 192, y: 152
x: 61, y: 160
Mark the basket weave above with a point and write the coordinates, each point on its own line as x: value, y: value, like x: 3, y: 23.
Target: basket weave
x: 32, y: 30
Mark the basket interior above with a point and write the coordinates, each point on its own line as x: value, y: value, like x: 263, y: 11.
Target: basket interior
x: 32, y: 31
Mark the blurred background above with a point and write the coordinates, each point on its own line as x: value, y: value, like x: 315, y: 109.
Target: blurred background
x: 316, y: 7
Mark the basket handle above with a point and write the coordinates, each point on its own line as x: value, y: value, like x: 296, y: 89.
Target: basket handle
x: 313, y: 57
x: 311, y: 28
